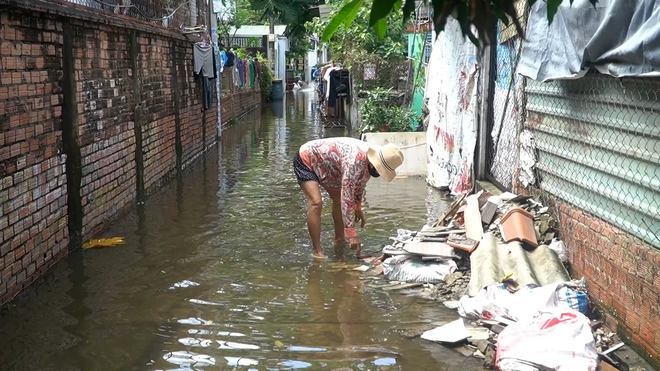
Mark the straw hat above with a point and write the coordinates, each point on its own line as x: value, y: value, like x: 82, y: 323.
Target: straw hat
x: 385, y: 159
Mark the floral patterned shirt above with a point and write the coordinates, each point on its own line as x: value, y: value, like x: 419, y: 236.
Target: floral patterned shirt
x: 340, y: 163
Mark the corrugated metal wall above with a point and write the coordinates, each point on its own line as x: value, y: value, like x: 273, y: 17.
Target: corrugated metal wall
x: 598, y: 147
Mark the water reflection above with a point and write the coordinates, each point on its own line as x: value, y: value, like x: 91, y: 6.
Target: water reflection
x: 216, y: 274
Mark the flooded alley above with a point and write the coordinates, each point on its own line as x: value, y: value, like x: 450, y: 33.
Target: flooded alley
x: 217, y: 274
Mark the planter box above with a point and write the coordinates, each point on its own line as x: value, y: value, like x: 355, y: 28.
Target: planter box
x: 413, y: 146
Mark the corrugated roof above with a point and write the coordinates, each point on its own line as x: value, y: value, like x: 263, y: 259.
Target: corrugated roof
x: 257, y: 31
x: 493, y: 260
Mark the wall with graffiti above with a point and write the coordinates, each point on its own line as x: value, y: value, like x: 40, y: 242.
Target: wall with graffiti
x: 451, y: 92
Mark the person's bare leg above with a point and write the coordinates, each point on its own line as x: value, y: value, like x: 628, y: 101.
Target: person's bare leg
x: 312, y: 192
x: 337, y: 218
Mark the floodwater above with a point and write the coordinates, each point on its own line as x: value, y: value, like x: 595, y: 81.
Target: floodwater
x: 217, y: 274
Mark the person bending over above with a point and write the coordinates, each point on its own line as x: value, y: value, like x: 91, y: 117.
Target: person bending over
x: 342, y: 166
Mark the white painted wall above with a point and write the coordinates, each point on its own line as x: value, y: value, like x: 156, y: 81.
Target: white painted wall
x: 282, y: 46
x: 413, y: 146
x: 451, y: 90
x: 312, y: 59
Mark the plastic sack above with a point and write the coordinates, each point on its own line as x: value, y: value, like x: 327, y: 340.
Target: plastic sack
x: 560, y: 340
x: 529, y: 301
x: 573, y: 295
x: 559, y: 248
x: 409, y: 269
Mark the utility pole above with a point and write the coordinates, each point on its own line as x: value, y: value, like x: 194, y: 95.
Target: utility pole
x: 271, y: 43
x: 213, y: 17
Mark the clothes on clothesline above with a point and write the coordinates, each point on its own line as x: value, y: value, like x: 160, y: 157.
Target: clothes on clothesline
x: 231, y: 59
x: 337, y: 78
x: 241, y: 72
x: 204, y: 61
x: 244, y: 72
x: 207, y: 92
x: 223, y: 60
x: 252, y: 74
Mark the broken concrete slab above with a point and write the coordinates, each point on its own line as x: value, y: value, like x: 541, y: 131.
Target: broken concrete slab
x: 452, y: 332
x: 438, y: 249
x: 473, y: 227
x: 478, y: 333
x: 402, y: 286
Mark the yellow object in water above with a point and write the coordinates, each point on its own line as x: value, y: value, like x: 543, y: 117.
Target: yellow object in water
x: 104, y: 242
x: 279, y: 344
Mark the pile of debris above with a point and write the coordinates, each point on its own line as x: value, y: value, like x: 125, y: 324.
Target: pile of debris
x: 498, y: 261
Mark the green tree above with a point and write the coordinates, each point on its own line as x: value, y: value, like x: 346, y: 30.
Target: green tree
x: 355, y: 45
x: 355, y: 42
x: 292, y: 13
x: 233, y: 15
x: 483, y: 15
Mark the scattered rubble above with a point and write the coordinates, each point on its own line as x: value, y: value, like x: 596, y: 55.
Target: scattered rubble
x: 498, y: 261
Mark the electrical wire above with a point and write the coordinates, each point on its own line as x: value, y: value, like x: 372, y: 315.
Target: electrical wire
x: 146, y: 17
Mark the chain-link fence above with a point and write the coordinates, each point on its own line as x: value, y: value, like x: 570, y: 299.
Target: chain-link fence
x: 382, y: 74
x: 595, y: 143
x: 507, y: 111
x: 592, y: 142
x: 169, y: 13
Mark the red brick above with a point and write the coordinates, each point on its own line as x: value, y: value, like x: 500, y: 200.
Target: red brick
x: 619, y: 309
x: 633, y: 321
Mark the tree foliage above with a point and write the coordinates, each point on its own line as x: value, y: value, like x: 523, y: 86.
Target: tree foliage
x: 483, y: 15
x: 234, y: 14
x: 355, y: 43
x: 379, y: 113
x: 292, y: 13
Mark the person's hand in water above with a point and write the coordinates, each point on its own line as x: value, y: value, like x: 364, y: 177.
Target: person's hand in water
x: 359, y: 218
x: 357, y: 247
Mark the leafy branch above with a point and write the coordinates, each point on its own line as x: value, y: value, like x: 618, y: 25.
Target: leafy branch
x: 482, y: 15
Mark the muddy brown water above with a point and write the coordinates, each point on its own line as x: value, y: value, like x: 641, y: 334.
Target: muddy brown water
x: 217, y: 274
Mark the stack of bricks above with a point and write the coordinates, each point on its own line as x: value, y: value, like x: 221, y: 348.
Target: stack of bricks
x: 622, y: 274
x: 33, y: 219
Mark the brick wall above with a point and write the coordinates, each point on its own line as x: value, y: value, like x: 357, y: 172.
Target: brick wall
x: 236, y: 101
x: 93, y: 116
x: 104, y: 96
x: 33, y: 218
x: 158, y: 114
x: 623, y: 277
x: 622, y: 273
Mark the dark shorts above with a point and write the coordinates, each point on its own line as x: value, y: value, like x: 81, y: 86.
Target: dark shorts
x: 303, y: 173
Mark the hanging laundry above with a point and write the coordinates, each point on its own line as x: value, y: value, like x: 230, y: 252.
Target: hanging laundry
x: 207, y: 92
x: 234, y: 75
x: 252, y: 73
x: 231, y: 59
x: 241, y: 69
x: 223, y: 60
x: 246, y: 81
x: 203, y: 61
